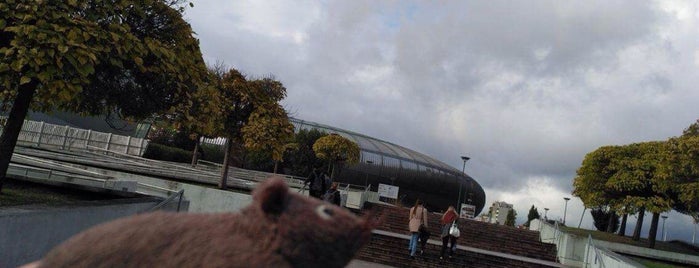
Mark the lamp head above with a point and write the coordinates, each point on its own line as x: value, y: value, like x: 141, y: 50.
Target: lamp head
x: 465, y: 158
x: 566, y: 198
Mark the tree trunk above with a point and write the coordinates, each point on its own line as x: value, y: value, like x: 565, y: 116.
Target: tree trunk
x: 276, y: 164
x: 195, y: 154
x: 610, y: 222
x: 224, y: 170
x: 639, y: 224
x: 15, y: 120
x: 653, y: 232
x: 622, y: 227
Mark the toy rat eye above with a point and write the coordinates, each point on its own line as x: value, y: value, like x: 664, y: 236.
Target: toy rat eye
x: 324, y: 212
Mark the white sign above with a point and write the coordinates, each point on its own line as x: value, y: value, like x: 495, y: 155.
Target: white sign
x: 388, y: 191
x: 468, y: 211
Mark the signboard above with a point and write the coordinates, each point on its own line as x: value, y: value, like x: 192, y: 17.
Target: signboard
x: 388, y: 191
x: 468, y: 211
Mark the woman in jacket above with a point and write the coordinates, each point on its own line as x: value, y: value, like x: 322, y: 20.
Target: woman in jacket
x: 448, y: 218
x: 418, y: 217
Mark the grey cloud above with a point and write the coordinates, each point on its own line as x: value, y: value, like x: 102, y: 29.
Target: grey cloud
x: 524, y: 88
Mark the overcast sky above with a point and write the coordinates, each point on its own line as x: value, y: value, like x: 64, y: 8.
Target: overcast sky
x: 524, y: 88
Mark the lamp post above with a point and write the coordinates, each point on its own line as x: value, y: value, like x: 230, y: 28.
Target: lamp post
x: 366, y: 179
x: 694, y: 233
x: 565, y: 210
x: 663, y: 230
x: 463, y: 170
x: 546, y: 211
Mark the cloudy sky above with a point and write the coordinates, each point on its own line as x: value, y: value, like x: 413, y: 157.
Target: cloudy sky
x: 525, y: 88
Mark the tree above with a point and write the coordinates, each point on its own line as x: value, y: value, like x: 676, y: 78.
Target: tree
x: 241, y: 98
x: 511, y: 217
x: 692, y: 130
x: 625, y: 179
x: 533, y: 214
x: 269, y: 131
x: 602, y: 217
x: 681, y: 174
x: 334, y: 149
x: 302, y: 160
x: 597, y: 169
x: 129, y: 58
x: 639, y: 177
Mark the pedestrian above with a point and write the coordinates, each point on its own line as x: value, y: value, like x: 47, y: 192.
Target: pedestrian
x: 315, y: 184
x: 418, y: 219
x: 450, y: 217
x: 332, y: 195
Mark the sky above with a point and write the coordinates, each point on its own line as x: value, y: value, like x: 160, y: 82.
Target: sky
x: 524, y: 88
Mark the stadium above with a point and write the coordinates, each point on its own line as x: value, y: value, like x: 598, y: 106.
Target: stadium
x: 417, y: 175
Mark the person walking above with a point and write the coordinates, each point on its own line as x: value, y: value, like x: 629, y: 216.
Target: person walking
x: 449, y: 218
x: 333, y: 195
x: 418, y: 219
x: 315, y: 184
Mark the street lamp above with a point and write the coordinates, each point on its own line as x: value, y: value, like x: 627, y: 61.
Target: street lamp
x: 463, y: 170
x: 546, y: 211
x: 663, y: 230
x: 565, y: 210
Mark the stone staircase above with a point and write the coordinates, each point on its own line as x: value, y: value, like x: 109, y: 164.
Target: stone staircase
x: 480, y: 245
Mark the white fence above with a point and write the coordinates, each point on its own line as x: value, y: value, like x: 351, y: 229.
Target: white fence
x: 66, y: 137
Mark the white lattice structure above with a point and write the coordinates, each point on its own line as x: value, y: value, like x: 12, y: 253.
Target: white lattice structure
x: 66, y: 137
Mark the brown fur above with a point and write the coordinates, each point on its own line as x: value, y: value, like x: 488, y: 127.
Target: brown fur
x: 279, y: 229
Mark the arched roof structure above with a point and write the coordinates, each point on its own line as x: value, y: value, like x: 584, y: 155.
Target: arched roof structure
x: 417, y: 175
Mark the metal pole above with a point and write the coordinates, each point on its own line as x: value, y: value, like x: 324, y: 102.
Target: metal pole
x: 694, y: 233
x: 463, y: 170
x: 663, y: 232
x: 565, y: 211
x: 581, y: 217
x: 546, y: 211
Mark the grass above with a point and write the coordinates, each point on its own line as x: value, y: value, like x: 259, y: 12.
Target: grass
x: 17, y: 193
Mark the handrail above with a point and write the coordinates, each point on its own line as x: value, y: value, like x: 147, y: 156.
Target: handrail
x: 179, y: 194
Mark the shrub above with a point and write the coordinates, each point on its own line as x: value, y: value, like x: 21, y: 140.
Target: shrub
x: 166, y: 153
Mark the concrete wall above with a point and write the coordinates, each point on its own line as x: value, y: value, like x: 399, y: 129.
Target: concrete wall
x: 27, y: 233
x: 586, y: 252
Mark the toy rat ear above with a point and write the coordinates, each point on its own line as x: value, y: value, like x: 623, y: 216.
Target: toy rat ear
x: 272, y: 195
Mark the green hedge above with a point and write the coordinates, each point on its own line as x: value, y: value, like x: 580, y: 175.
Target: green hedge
x: 212, y: 153
x: 167, y: 153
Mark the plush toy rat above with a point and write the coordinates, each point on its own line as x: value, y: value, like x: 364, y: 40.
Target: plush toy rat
x: 279, y: 229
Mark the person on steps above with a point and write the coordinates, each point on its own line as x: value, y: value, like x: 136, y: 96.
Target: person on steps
x: 448, y: 219
x: 418, y: 219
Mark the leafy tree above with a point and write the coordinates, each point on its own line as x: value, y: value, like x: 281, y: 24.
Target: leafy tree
x: 302, y: 160
x: 597, y: 169
x: 335, y: 149
x: 511, y: 217
x: 269, y: 131
x: 533, y: 214
x: 242, y: 98
x: 203, y: 115
x: 692, y: 130
x: 681, y: 174
x: 602, y: 217
x: 625, y: 179
x: 129, y: 58
x: 640, y: 177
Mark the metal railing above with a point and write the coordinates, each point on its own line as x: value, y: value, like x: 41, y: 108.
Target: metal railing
x: 179, y: 195
x: 65, y: 137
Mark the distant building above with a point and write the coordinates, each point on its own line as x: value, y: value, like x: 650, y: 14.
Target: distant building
x: 498, y: 212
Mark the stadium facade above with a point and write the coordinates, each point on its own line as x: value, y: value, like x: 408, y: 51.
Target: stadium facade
x: 417, y: 175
